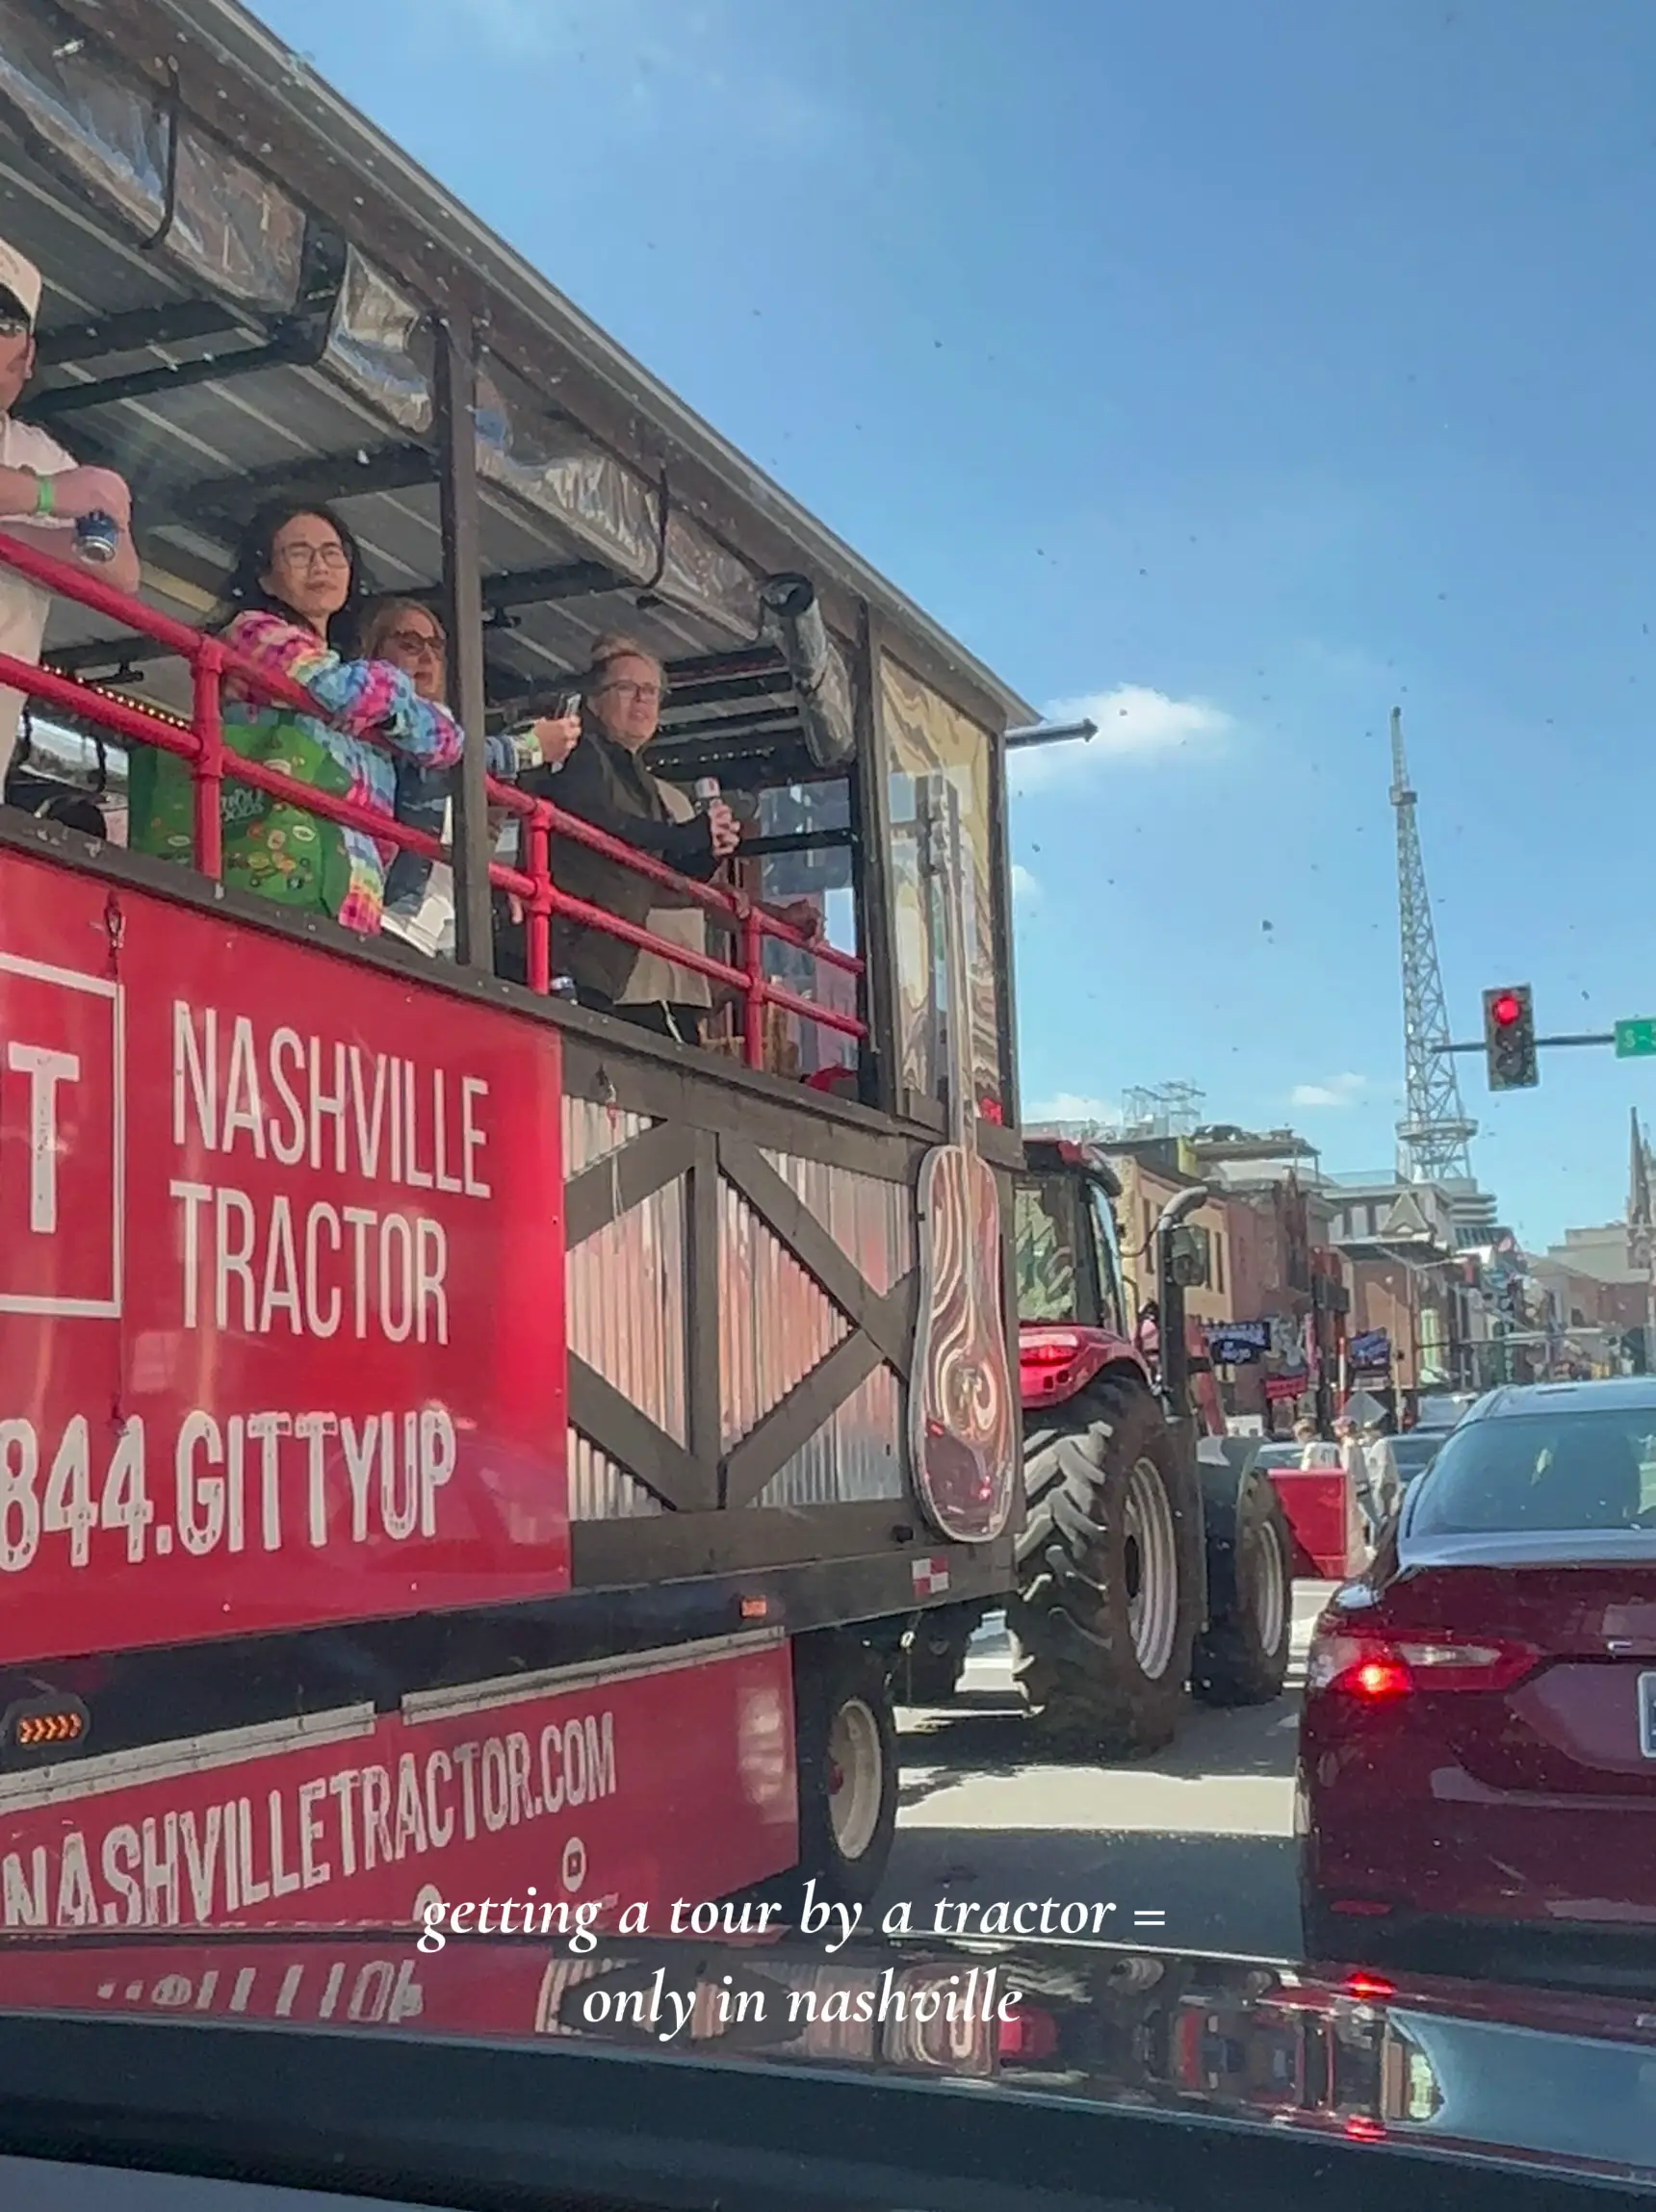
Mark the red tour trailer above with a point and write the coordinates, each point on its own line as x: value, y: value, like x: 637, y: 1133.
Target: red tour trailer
x: 453, y: 1442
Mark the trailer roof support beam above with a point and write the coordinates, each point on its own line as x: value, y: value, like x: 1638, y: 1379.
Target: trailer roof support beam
x: 134, y: 331
x: 463, y: 603
x: 397, y: 467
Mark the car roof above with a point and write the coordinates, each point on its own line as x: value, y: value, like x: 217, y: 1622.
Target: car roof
x: 1619, y: 1393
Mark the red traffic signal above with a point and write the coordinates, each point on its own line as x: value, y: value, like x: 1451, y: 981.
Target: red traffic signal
x: 1510, y: 1038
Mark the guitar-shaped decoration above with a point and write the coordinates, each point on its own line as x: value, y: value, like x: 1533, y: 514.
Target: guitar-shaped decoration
x: 963, y: 1416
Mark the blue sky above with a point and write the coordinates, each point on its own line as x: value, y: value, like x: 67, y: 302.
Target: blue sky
x: 1247, y: 369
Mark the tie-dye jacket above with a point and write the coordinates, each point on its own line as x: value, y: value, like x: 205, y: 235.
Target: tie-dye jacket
x: 282, y: 851
x: 359, y: 697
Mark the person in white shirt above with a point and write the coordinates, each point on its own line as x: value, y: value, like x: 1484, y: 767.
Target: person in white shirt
x: 1355, y: 1462
x: 1314, y: 1451
x: 1385, y: 1484
x: 43, y: 493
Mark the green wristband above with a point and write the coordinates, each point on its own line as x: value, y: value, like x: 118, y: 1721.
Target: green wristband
x: 45, y: 497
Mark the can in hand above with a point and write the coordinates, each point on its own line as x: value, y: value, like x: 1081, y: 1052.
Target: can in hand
x: 97, y: 538
x: 707, y: 789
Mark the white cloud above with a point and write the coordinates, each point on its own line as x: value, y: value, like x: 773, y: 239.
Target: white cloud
x: 1069, y: 1106
x: 1134, y: 721
x: 1026, y: 889
x: 1336, y: 1090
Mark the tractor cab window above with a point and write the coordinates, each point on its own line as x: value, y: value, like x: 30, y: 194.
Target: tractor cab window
x: 1048, y: 1251
x: 1113, y: 1307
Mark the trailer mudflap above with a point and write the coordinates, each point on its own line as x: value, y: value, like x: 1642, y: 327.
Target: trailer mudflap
x: 1224, y: 1465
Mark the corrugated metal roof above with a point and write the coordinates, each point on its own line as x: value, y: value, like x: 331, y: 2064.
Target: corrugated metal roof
x: 176, y: 446
x: 251, y: 49
x: 200, y: 453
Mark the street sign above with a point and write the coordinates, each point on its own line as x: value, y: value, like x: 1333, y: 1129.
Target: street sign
x: 1636, y: 1039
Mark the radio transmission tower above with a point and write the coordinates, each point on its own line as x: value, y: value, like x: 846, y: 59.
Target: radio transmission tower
x: 1433, y: 1136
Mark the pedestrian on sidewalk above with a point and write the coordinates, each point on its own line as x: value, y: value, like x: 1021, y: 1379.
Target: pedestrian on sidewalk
x: 1384, y: 1483
x: 1353, y: 1461
x: 1313, y: 1451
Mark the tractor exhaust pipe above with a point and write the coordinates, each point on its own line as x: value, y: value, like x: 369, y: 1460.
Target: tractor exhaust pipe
x: 1179, y: 1262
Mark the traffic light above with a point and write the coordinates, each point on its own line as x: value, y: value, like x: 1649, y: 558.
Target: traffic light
x: 1510, y: 1038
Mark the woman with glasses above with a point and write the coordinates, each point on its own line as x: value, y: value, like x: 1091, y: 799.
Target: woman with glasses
x: 293, y: 606
x: 419, y: 894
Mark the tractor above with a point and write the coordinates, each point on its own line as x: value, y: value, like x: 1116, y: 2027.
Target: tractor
x: 1155, y: 1556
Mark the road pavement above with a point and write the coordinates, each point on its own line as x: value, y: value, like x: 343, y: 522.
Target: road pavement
x: 1201, y: 1835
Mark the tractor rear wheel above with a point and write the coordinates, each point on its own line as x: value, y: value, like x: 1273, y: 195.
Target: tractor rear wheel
x: 1104, y: 1617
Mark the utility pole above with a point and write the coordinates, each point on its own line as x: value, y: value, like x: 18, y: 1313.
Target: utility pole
x: 1642, y: 1232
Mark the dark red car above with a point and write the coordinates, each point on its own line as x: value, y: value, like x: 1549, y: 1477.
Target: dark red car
x: 1477, y: 1771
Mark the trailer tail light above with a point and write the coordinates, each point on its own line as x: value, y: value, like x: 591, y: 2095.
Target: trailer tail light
x: 1029, y: 2037
x: 1377, y: 1670
x: 957, y: 2031
x: 46, y: 1725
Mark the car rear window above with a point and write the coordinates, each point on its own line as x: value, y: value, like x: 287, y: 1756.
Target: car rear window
x: 1541, y: 1471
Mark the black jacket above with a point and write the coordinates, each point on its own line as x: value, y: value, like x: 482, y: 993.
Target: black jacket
x: 612, y: 789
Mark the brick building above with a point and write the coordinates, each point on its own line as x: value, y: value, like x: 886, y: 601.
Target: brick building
x: 1284, y: 1270
x: 1400, y: 1241
x: 1153, y: 1170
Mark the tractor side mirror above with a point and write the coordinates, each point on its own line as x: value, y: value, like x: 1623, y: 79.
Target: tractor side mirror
x: 1189, y: 1255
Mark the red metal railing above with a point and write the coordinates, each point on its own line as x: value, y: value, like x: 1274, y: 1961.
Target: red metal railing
x: 210, y: 761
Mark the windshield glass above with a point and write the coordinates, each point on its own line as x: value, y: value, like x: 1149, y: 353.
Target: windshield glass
x: 1542, y: 1471
x: 1416, y: 1450
x: 823, y: 906
x: 1049, y: 1229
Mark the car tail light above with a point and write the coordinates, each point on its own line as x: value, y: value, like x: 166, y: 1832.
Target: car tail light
x: 1360, y: 1666
x: 1377, y: 1670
